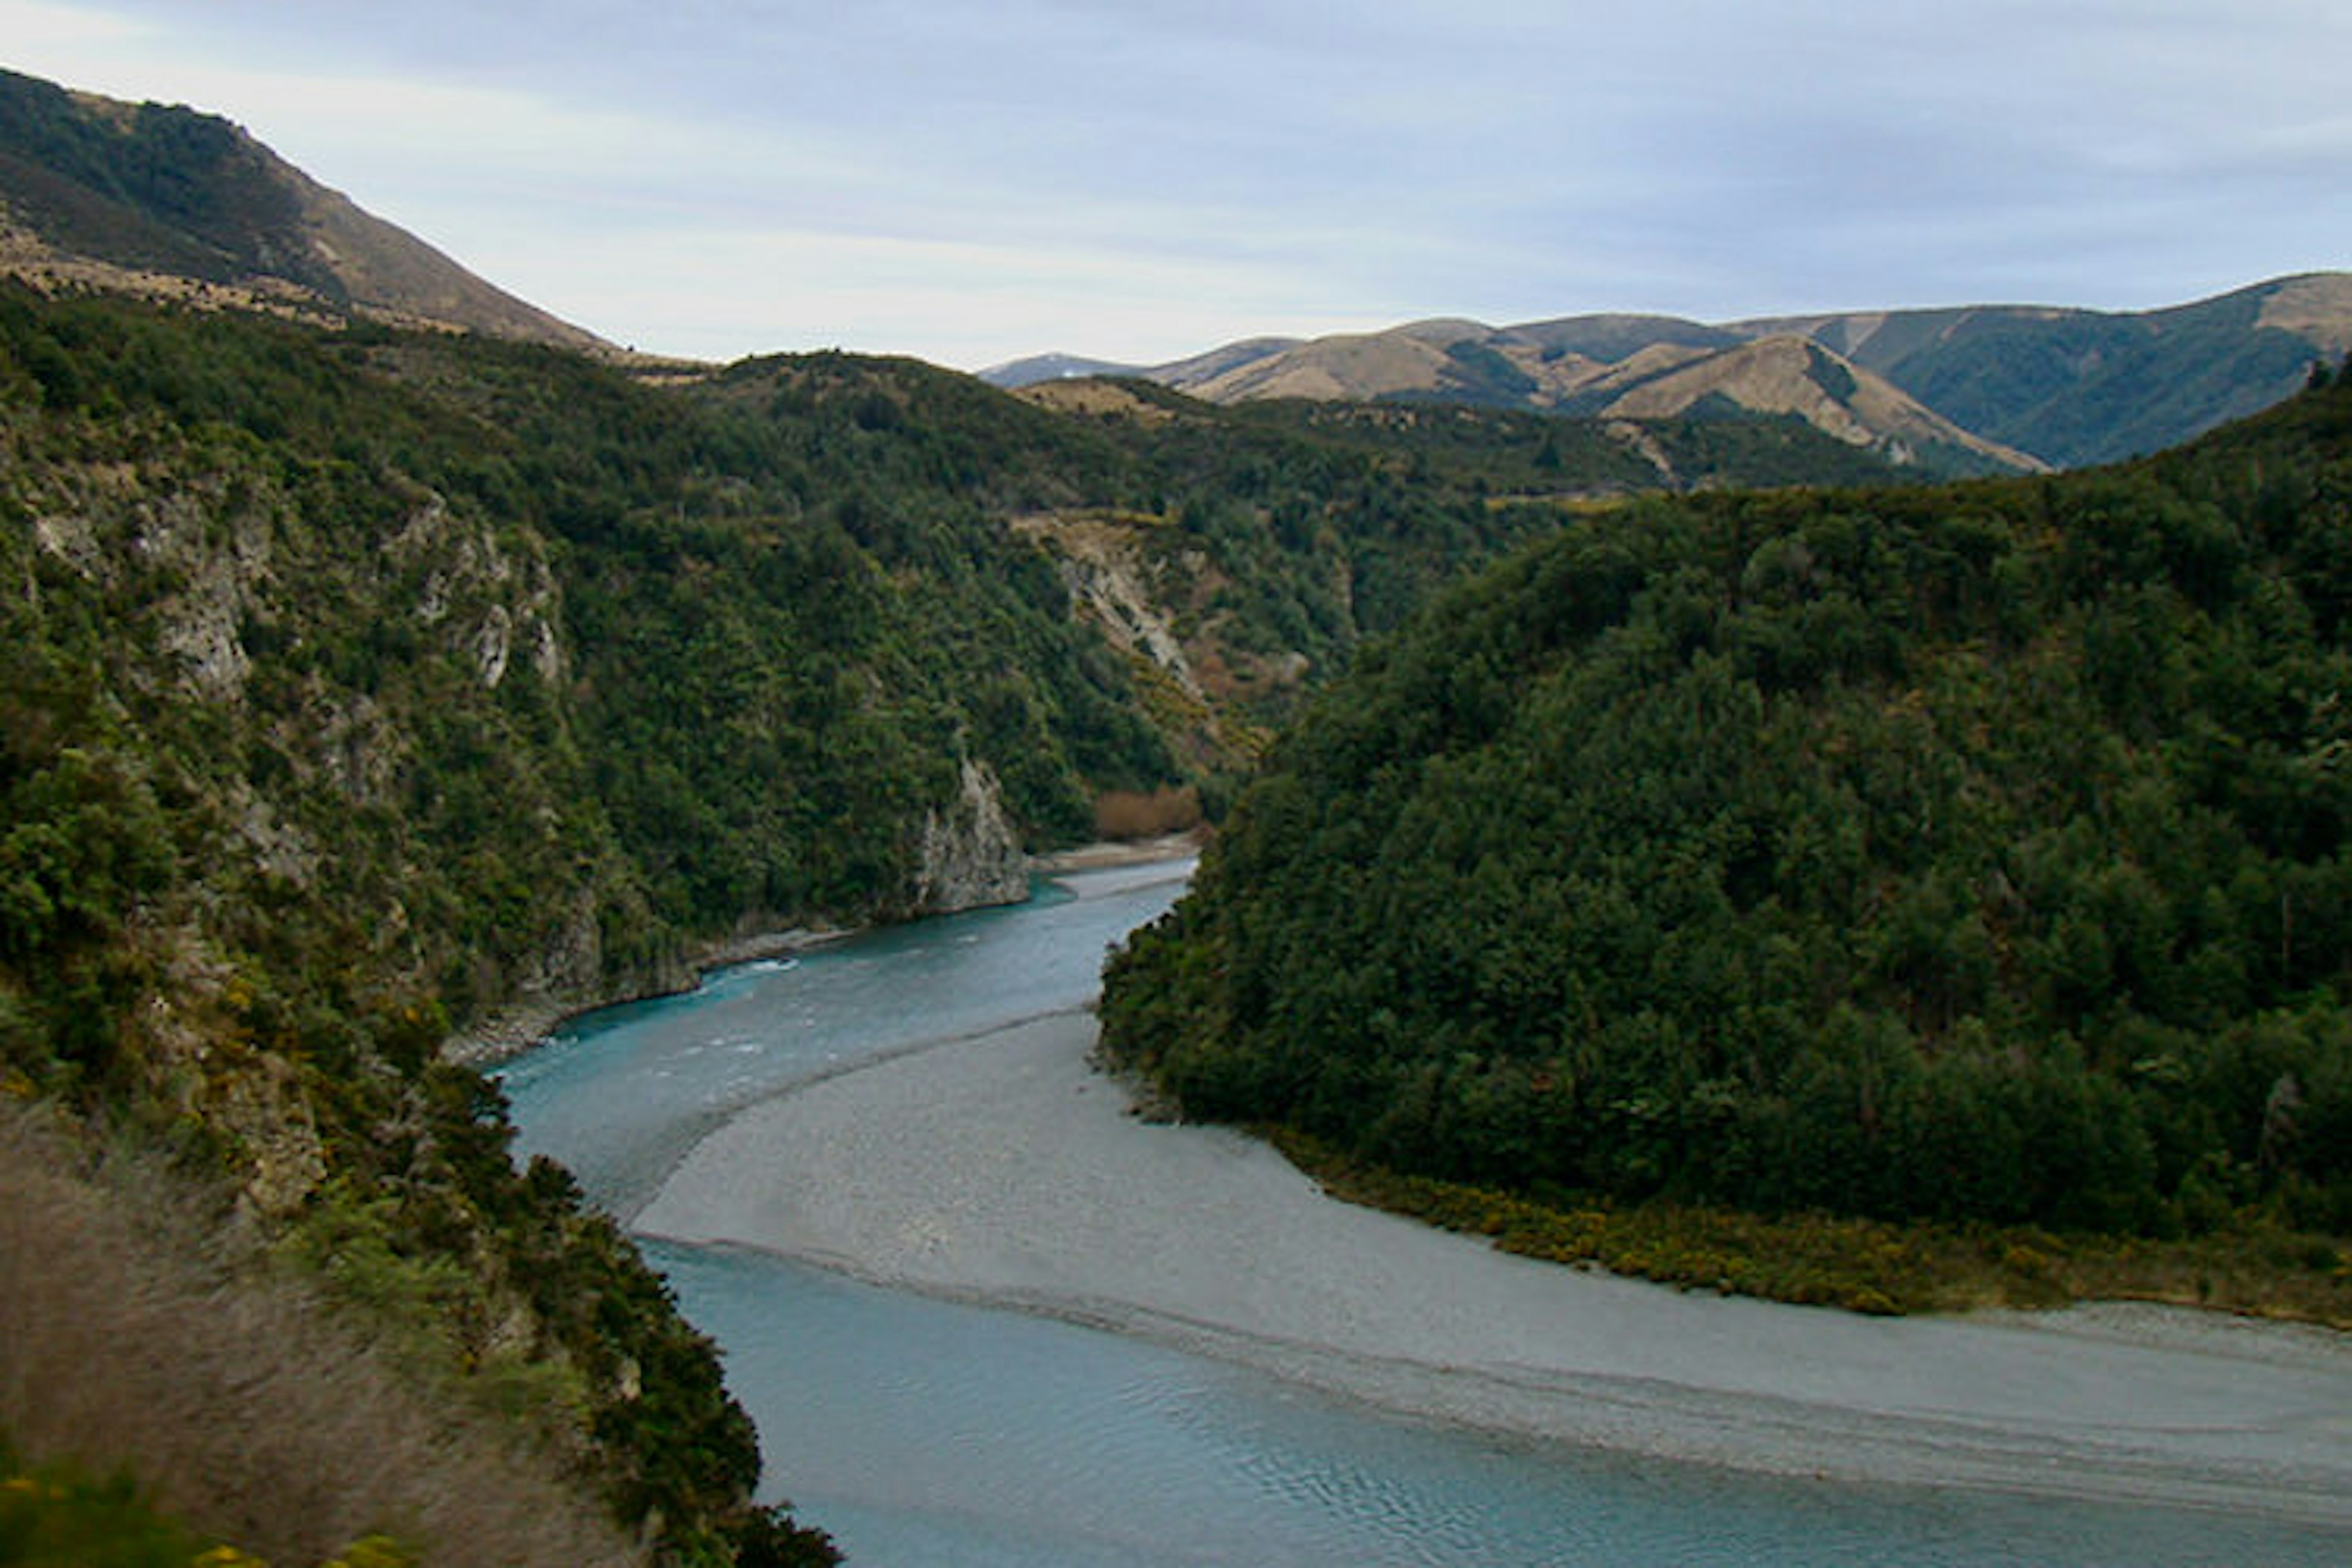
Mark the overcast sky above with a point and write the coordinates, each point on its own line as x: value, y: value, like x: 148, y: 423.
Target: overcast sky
x: 1137, y: 180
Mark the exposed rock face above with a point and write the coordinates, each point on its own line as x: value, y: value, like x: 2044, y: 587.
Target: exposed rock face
x: 1158, y: 599
x: 494, y: 602
x: 971, y: 855
x: 1103, y: 566
x: 261, y: 1104
x: 572, y: 962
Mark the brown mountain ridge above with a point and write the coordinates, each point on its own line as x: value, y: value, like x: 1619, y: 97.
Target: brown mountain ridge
x: 1959, y: 389
x: 167, y: 202
x: 173, y: 203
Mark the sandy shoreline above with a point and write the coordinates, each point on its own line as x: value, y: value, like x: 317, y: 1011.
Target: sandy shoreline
x: 1002, y: 1169
x: 1115, y: 853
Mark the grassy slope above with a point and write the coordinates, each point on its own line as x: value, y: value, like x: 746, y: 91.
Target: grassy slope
x: 238, y: 1397
x: 2083, y: 387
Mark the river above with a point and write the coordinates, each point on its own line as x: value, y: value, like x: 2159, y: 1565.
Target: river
x: 927, y: 1431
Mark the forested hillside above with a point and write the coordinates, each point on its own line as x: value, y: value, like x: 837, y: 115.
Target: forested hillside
x: 1969, y: 854
x: 1263, y: 541
x: 357, y: 686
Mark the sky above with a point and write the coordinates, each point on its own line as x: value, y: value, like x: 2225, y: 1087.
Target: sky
x: 1141, y: 180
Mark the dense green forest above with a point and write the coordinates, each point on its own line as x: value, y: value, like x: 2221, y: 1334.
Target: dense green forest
x: 356, y: 685
x: 1969, y: 854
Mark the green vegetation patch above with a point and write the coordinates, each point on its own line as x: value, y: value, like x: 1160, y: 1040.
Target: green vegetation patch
x: 1976, y: 855
x: 60, y: 1514
x: 2250, y: 1264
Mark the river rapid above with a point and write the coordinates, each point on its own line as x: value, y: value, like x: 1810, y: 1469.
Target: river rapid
x: 919, y: 1429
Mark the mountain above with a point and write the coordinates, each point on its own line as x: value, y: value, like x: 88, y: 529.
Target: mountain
x: 1977, y: 389
x: 177, y: 204
x: 2085, y: 387
x: 1658, y: 370
x: 1020, y: 373
x: 368, y: 693
x: 1970, y: 854
x: 1614, y: 337
x: 1655, y: 370
x: 1792, y: 376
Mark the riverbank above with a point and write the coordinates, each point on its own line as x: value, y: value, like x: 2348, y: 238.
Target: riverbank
x: 1112, y: 853
x: 1000, y: 1168
x: 511, y: 1030
x: 2254, y: 1266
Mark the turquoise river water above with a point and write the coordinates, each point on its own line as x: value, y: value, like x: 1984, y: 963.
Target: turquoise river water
x: 924, y: 1432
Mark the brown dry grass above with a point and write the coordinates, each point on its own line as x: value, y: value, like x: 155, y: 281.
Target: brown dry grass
x: 1085, y: 394
x: 142, y: 1328
x: 1125, y: 816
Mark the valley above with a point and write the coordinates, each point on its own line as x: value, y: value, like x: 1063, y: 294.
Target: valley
x: 1641, y: 763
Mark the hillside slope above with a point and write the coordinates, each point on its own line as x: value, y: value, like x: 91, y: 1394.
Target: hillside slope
x: 2078, y: 388
x: 1655, y: 370
x: 355, y: 687
x: 1788, y: 376
x: 1980, y: 854
x: 1972, y: 389
x: 362, y: 687
x: 171, y: 202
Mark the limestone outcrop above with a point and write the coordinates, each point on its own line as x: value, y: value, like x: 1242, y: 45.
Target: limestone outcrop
x: 970, y: 854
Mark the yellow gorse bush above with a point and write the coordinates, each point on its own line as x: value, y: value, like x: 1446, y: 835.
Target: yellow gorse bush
x: 226, y: 1556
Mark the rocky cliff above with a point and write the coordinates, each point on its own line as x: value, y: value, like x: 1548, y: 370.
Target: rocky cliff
x: 970, y: 856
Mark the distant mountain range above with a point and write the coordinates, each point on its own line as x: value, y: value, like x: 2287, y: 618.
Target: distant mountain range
x: 171, y: 202
x: 1974, y: 388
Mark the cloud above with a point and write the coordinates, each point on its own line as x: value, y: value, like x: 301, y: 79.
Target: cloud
x: 965, y: 181
x: 958, y: 303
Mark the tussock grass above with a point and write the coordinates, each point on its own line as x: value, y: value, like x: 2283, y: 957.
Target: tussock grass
x: 141, y: 1328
